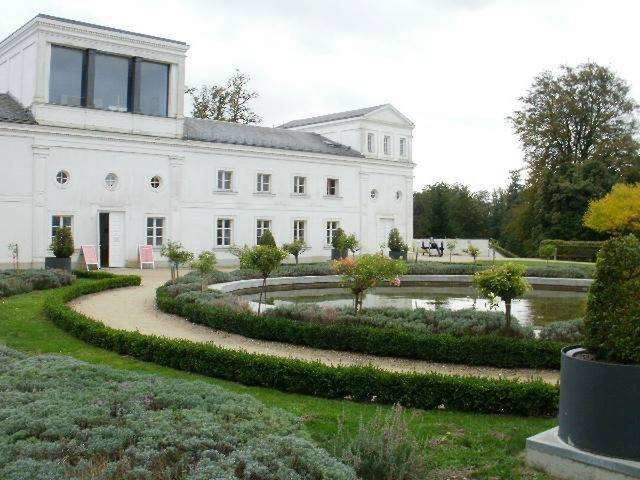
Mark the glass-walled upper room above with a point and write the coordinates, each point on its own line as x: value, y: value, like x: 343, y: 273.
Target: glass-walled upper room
x: 98, y: 80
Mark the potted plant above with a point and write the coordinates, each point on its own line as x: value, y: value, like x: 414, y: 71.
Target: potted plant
x: 339, y: 247
x: 600, y: 380
x: 62, y: 247
x: 397, y: 247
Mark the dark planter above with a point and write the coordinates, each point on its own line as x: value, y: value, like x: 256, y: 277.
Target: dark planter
x: 397, y: 254
x: 55, y: 263
x: 599, y: 406
x: 337, y: 254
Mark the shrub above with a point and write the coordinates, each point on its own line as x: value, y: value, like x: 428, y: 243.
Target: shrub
x: 177, y: 256
x: 13, y: 286
x: 577, y: 250
x: 337, y: 239
x: 547, y: 251
x: 65, y: 419
x: 93, y: 274
x: 426, y: 391
x: 205, y: 265
x: 568, y: 331
x: 267, y: 239
x: 62, y: 244
x: 612, y: 322
x: 396, y: 243
x: 473, y: 251
x: 14, y: 282
x: 295, y: 248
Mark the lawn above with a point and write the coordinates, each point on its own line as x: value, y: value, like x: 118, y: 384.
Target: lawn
x: 460, y: 445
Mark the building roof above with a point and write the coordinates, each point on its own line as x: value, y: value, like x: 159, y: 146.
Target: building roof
x: 12, y: 111
x: 251, y: 135
x: 360, y: 112
x: 102, y: 27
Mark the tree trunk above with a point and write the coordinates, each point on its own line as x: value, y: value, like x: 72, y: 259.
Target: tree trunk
x: 507, y: 308
x: 296, y: 259
x: 263, y: 292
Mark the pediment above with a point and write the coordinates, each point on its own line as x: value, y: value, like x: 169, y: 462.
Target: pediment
x: 389, y: 114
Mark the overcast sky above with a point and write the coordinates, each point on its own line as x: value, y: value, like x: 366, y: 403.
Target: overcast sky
x: 455, y: 67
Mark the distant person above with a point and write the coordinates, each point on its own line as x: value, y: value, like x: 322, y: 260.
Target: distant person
x: 441, y: 248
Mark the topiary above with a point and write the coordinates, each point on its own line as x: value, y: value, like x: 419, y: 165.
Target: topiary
x: 62, y: 244
x: 396, y: 243
x: 267, y: 239
x: 612, y: 322
x: 337, y: 239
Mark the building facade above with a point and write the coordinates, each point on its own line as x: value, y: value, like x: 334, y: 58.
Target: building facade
x: 93, y: 136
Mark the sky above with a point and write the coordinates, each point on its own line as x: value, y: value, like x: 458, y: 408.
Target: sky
x: 455, y: 67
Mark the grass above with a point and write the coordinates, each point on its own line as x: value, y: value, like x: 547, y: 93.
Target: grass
x: 478, y: 446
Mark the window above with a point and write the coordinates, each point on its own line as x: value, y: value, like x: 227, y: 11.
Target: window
x: 263, y: 183
x: 386, y: 144
x: 154, y: 88
x: 332, y: 226
x: 155, y: 182
x: 58, y: 221
x: 374, y: 194
x: 62, y: 177
x: 299, y: 185
x: 371, y: 142
x: 403, y: 147
x: 225, y: 178
x: 261, y: 227
x: 111, y: 82
x: 155, y: 231
x: 65, y: 77
x: 223, y: 232
x: 111, y: 181
x: 332, y: 187
x: 299, y: 227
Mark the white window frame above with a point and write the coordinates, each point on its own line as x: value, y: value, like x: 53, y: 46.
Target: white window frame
x: 296, y: 185
x: 261, y: 228
x: 65, y: 184
x: 59, y: 217
x: 386, y: 144
x: 221, y: 181
x: 264, y: 182
x: 330, y: 227
x: 402, y: 147
x: 154, y: 235
x: 223, y: 228
x: 371, y: 142
x: 326, y: 187
x: 296, y: 229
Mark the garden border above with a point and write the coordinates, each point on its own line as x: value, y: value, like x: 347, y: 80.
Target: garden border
x: 364, y: 384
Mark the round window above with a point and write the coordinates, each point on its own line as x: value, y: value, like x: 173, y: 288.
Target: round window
x: 374, y: 194
x: 111, y: 181
x: 62, y: 177
x: 398, y: 195
x: 155, y: 182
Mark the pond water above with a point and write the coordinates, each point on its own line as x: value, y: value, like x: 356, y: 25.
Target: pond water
x: 538, y: 307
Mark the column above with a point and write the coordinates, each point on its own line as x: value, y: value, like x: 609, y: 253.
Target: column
x: 40, y: 222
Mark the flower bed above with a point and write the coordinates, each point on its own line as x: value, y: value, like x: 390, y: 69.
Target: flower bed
x: 366, y: 384
x: 65, y: 419
x: 14, y: 282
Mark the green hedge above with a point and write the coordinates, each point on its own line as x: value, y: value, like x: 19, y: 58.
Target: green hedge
x: 577, y: 250
x: 365, y: 384
x: 487, y: 350
x: 93, y: 274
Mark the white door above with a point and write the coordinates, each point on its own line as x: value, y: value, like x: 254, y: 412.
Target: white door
x: 116, y: 239
x: 385, y: 225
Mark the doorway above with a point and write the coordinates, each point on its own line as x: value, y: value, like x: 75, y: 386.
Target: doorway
x: 111, y: 228
x: 104, y: 239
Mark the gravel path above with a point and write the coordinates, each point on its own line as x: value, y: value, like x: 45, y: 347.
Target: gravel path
x: 134, y: 309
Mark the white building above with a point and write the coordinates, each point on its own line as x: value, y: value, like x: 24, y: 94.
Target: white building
x: 93, y: 135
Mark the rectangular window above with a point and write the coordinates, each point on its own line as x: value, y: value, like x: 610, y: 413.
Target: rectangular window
x: 154, y: 88
x: 225, y: 180
x: 65, y: 77
x: 223, y: 232
x: 299, y: 227
x: 58, y: 221
x: 299, y: 185
x: 332, y: 187
x: 111, y: 83
x: 386, y: 143
x: 371, y: 142
x: 263, y: 183
x: 261, y: 227
x: 155, y: 231
x: 332, y: 226
x: 403, y: 147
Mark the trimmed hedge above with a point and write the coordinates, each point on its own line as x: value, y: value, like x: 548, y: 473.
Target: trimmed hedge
x: 486, y: 350
x: 365, y: 384
x: 93, y: 274
x: 577, y: 250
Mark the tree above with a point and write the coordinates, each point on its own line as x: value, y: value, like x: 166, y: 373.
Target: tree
x: 548, y: 251
x: 505, y: 282
x: 204, y: 265
x: 618, y: 212
x: 62, y: 245
x: 451, y: 247
x: 14, y: 251
x: 396, y: 243
x: 177, y: 255
x: 351, y: 244
x: 264, y: 259
x: 230, y: 102
x: 473, y: 251
x: 295, y: 248
x: 267, y: 239
x: 368, y: 271
x: 578, y: 133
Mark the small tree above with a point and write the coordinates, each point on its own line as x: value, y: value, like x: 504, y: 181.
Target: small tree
x: 264, y: 259
x: 62, y: 244
x: 267, y: 239
x: 338, y: 240
x: 14, y: 251
x: 177, y: 255
x: 205, y: 264
x: 295, y: 248
x: 473, y: 251
x: 618, y: 212
x: 504, y: 282
x: 547, y: 251
x: 451, y: 247
x: 396, y: 243
x: 368, y: 271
